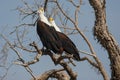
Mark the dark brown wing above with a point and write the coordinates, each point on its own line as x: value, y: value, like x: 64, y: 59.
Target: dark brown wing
x: 48, y: 37
x: 69, y: 46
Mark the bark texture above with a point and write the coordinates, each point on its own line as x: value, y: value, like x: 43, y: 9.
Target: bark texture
x: 58, y: 74
x: 106, y: 39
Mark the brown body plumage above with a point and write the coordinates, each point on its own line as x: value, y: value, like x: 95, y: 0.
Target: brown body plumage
x: 67, y: 44
x: 54, y: 40
x: 49, y: 38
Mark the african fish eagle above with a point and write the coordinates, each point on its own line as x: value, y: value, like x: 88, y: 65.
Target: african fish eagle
x: 48, y: 36
x: 67, y: 44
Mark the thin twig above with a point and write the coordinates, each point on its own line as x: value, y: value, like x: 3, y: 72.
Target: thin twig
x: 87, y: 53
x: 90, y: 61
x: 19, y: 56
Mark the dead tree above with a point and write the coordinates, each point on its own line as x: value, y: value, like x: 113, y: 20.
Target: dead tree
x: 105, y: 38
x: 100, y: 31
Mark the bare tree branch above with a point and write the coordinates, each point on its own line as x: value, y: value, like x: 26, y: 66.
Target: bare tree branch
x: 105, y: 38
x: 19, y: 56
x: 64, y: 12
x: 55, y: 73
x: 45, y: 5
x: 55, y: 59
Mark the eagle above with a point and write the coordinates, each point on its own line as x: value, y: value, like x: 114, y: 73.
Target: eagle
x: 48, y: 36
x: 52, y: 38
x: 67, y: 44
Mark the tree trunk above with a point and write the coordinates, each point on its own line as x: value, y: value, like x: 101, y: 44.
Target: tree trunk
x: 103, y: 36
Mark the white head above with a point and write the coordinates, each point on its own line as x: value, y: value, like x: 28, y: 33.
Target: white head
x: 42, y: 17
x: 40, y: 11
x: 52, y: 22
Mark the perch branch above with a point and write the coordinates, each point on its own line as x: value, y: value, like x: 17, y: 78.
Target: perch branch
x: 55, y: 59
x: 54, y: 73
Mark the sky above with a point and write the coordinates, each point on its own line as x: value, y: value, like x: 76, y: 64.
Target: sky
x: 9, y: 18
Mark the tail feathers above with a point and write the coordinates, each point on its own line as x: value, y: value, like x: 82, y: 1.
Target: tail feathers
x: 76, y: 57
